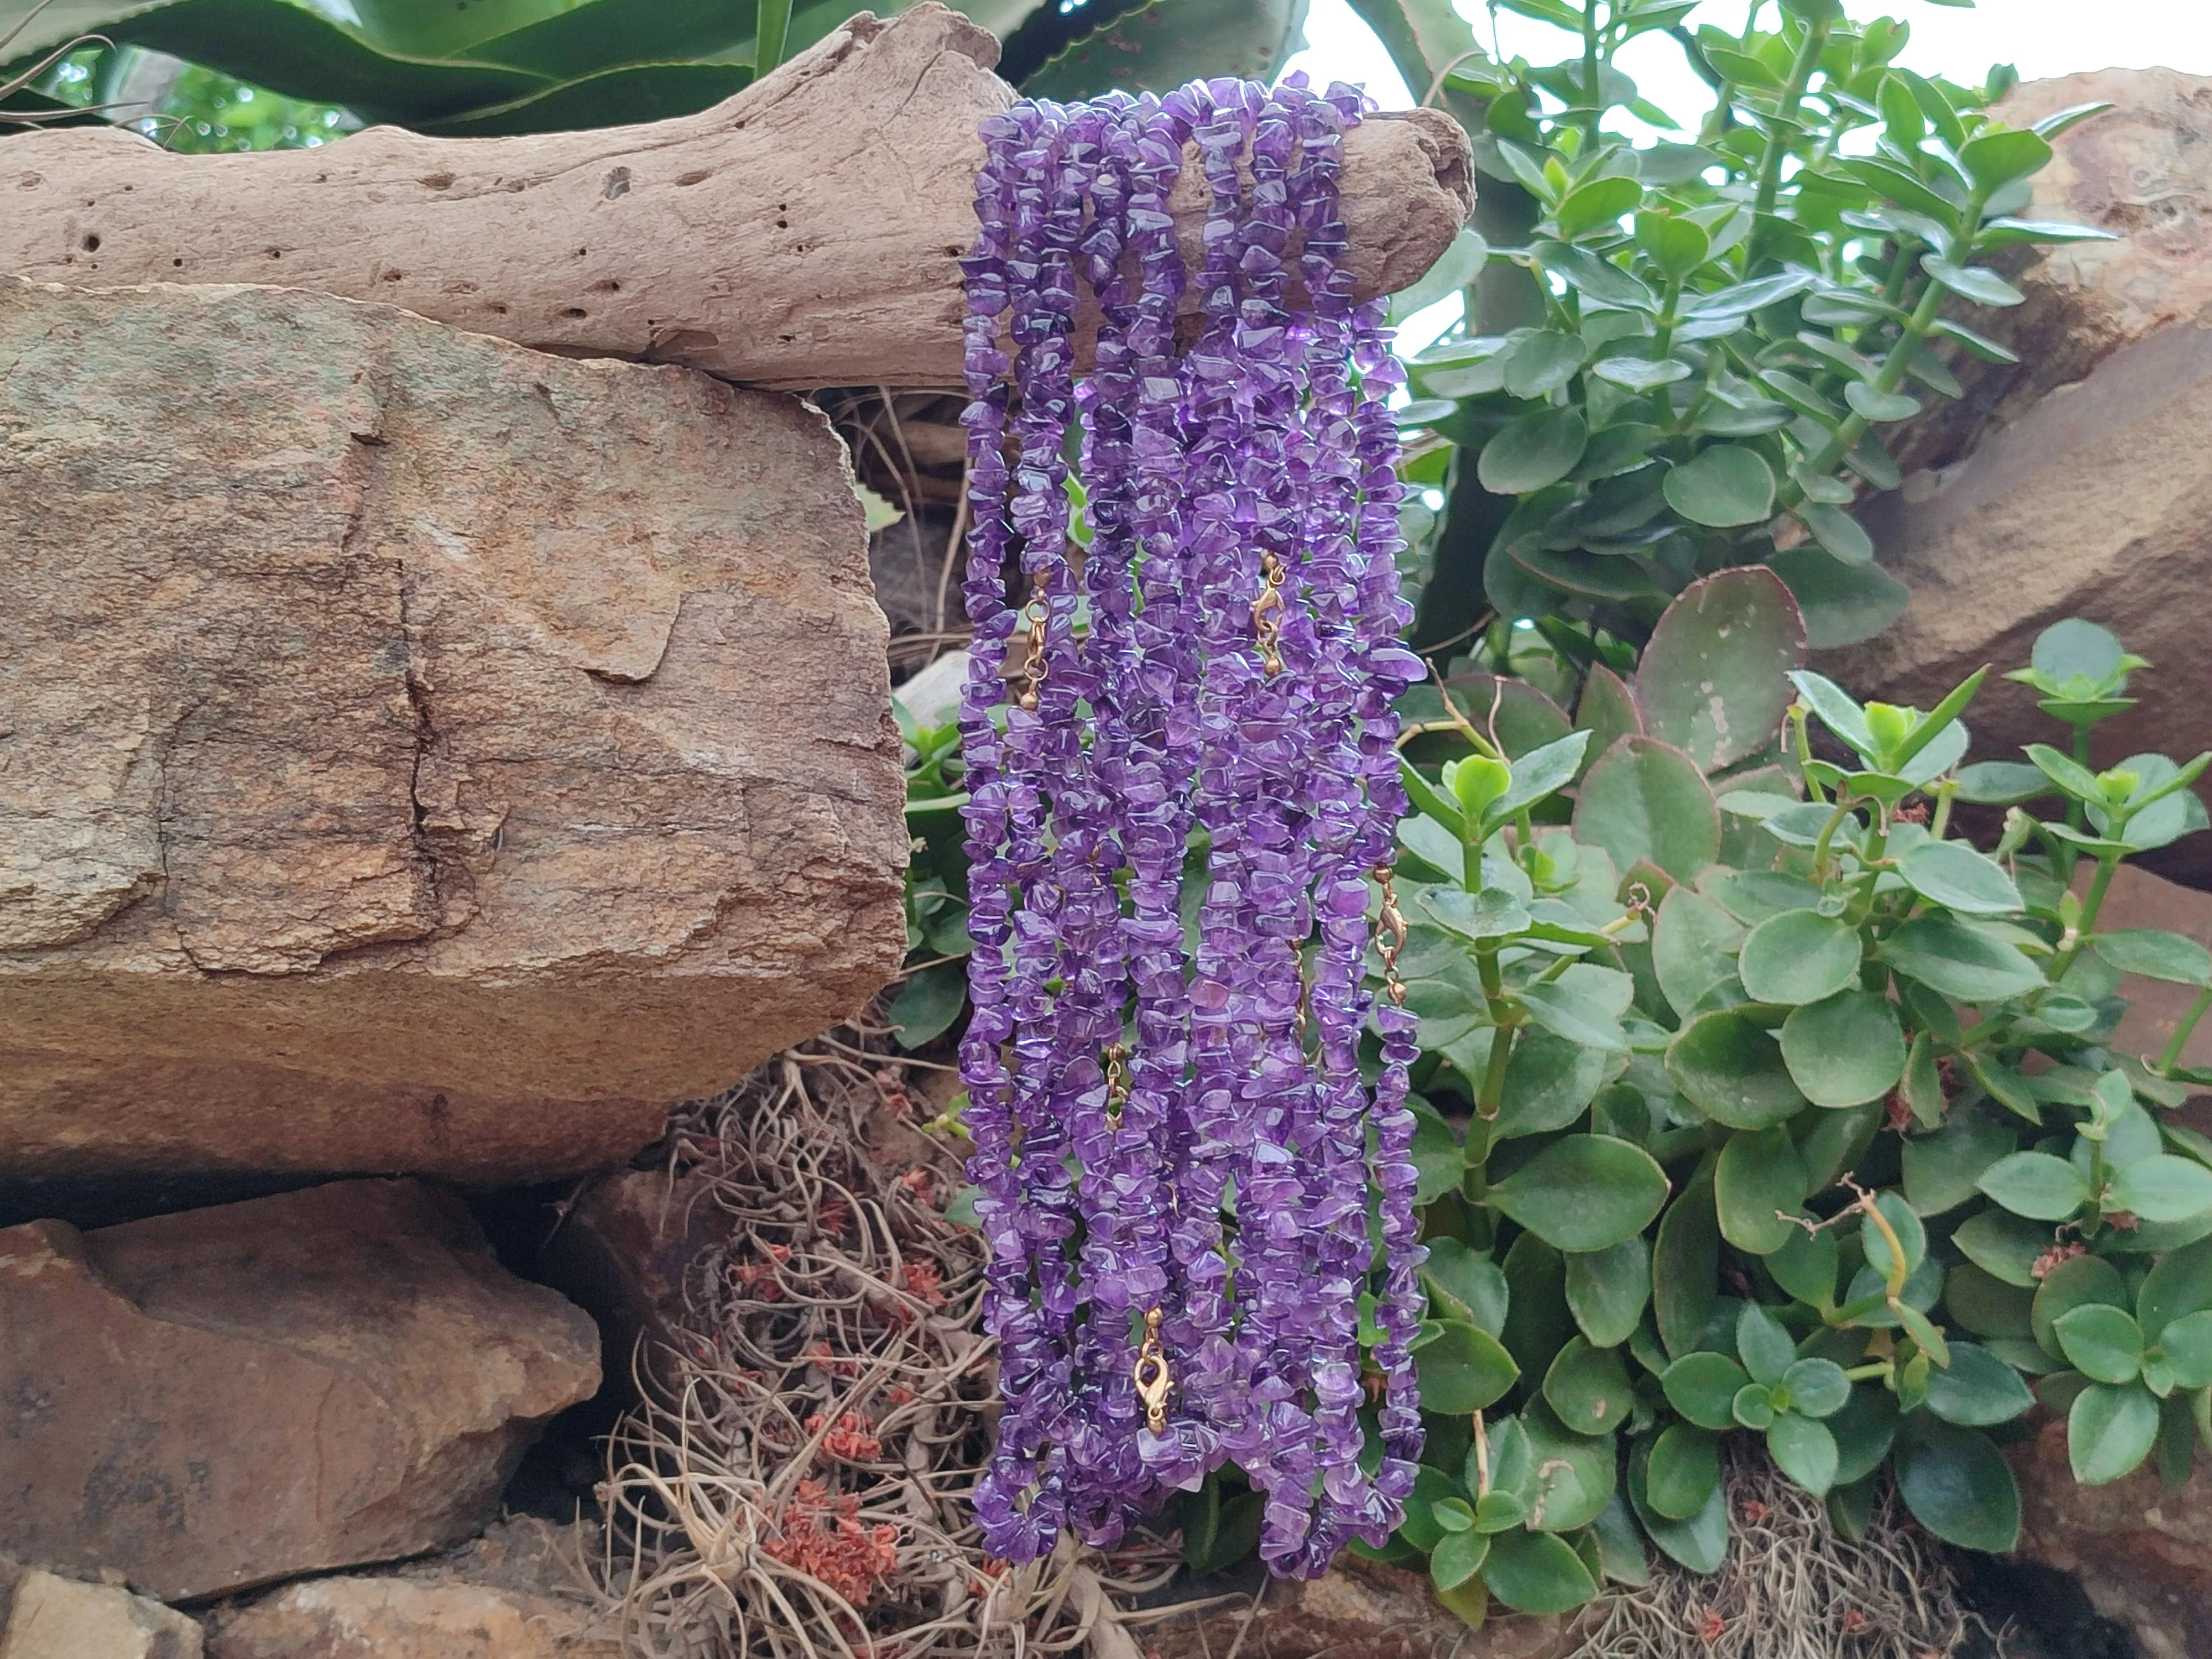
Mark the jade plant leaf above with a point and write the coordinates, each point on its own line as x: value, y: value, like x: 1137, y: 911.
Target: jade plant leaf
x: 1845, y: 1048
x: 1733, y: 1072
x: 1583, y: 1193
x: 1714, y: 678
x: 1957, y: 1484
x: 1799, y: 957
x: 1645, y: 799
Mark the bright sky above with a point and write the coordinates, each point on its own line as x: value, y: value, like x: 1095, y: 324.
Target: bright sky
x: 2041, y: 37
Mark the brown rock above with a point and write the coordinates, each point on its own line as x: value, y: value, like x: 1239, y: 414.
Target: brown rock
x: 220, y: 1398
x: 2093, y: 503
x: 624, y: 1252
x: 1356, y: 1610
x: 405, y: 1617
x: 2141, y: 1549
x: 2141, y: 170
x: 2076, y: 482
x: 416, y: 752
x: 45, y: 1617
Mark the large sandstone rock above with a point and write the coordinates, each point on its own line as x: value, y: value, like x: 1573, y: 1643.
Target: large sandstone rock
x: 405, y: 1617
x: 44, y: 1616
x: 416, y: 752
x: 216, y: 1398
x: 2141, y: 1549
x: 2079, y: 482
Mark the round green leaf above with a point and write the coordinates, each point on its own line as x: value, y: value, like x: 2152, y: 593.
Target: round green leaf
x: 1549, y: 1083
x: 1836, y: 532
x: 1714, y: 678
x: 1598, y: 204
x: 1646, y: 799
x: 1977, y: 1388
x: 1684, y: 1470
x: 2036, y: 1185
x: 1589, y: 1388
x: 2073, y: 1284
x: 1694, y: 946
x: 1804, y: 1450
x: 1843, y: 604
x: 1798, y: 957
x: 1461, y: 1367
x: 1764, y: 1344
x: 1457, y: 1558
x: 1818, y: 1388
x: 1865, y: 1429
x: 1959, y: 961
x: 1911, y: 1236
x: 1700, y: 1543
x: 2109, y: 1432
x: 2180, y: 1285
x: 2101, y: 1341
x: 1758, y: 1185
x: 1703, y: 1386
x: 1940, y: 1168
x: 1470, y: 1278
x: 1608, y: 1290
x: 1537, y: 1321
x: 2164, y: 1189
x: 1880, y: 405
x: 1723, y: 486
x: 1541, y: 363
x: 1953, y: 874
x: 1583, y: 1193
x: 1844, y: 1049
x: 2188, y: 1344
x: 1733, y: 1072
x: 1986, y: 1305
x: 1536, y: 449
x: 1431, y: 1486
x: 1957, y: 1484
x: 1753, y: 1407
x: 2003, y: 1245
x: 1685, y: 1263
x: 2156, y: 955
x: 1573, y: 1473
x: 1806, y: 1266
x: 1537, y: 1573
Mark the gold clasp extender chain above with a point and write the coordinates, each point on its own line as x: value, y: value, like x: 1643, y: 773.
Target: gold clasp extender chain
x: 1268, y: 614
x: 1151, y: 1376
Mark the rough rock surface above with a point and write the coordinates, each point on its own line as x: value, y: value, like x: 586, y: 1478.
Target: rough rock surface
x: 2077, y: 483
x: 416, y: 752
x: 220, y: 1398
x: 2141, y: 1549
x: 2141, y: 170
x: 43, y: 1616
x: 404, y: 1618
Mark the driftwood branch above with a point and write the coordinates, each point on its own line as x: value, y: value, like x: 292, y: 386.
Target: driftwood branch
x: 800, y: 234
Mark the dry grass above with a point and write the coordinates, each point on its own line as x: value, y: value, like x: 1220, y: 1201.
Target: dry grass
x: 796, y: 1485
x: 1790, y: 1588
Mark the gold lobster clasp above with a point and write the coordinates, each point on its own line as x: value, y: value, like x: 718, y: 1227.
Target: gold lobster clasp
x: 1151, y: 1376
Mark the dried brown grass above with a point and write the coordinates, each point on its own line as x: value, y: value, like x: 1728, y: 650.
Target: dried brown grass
x: 834, y: 1358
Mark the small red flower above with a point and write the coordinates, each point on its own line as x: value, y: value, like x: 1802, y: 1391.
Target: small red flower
x: 1712, y: 1627
x: 832, y: 1220
x: 2052, y: 1259
x: 1854, y: 1622
x: 852, y: 1439
x: 924, y: 1281
x: 916, y: 1181
x: 1754, y: 1512
x: 817, y: 1533
x: 2124, y: 1221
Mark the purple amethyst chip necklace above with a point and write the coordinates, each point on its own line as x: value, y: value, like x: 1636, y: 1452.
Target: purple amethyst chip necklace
x: 1186, y: 1183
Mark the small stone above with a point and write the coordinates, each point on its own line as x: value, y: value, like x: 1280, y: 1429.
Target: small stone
x: 44, y: 1616
x: 208, y: 1400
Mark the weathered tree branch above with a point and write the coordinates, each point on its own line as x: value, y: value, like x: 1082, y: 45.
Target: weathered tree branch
x: 803, y: 233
